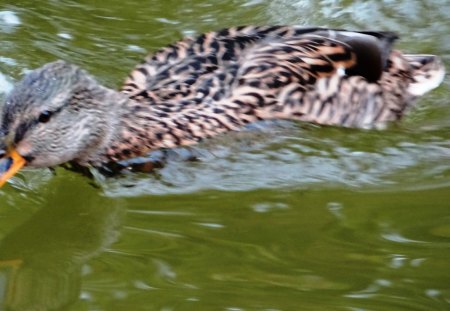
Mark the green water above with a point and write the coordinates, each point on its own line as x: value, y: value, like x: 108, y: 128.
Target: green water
x: 286, y: 217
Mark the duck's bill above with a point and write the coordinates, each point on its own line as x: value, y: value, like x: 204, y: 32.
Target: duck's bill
x: 10, y: 164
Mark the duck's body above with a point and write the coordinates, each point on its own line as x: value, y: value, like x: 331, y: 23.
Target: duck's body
x: 217, y: 82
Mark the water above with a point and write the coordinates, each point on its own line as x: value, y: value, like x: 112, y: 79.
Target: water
x: 283, y: 217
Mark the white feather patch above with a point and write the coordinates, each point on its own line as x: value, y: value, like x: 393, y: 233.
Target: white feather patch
x: 424, y: 85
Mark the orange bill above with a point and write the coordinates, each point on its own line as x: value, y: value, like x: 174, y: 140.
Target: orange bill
x: 10, y: 164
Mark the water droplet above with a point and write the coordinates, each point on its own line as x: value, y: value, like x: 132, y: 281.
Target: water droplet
x: 268, y: 206
x: 9, y: 18
x: 65, y: 35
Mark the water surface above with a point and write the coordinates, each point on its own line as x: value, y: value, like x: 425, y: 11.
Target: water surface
x: 286, y: 216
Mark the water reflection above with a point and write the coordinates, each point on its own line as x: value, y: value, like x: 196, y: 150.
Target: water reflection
x: 41, y: 260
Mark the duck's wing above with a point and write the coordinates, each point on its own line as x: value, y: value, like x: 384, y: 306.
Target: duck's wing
x: 326, y: 77
x: 216, y: 49
x: 179, y: 70
x: 319, y: 76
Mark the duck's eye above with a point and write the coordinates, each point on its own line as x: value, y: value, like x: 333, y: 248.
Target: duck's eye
x: 45, y: 116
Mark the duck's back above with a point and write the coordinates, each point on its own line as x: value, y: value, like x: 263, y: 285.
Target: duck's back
x: 249, y: 73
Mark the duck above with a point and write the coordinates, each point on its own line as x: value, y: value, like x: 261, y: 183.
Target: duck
x: 207, y: 85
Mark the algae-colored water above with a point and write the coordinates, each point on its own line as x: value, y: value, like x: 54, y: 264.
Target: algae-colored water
x: 285, y: 217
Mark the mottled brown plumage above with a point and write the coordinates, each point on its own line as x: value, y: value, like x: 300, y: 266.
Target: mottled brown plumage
x: 217, y: 82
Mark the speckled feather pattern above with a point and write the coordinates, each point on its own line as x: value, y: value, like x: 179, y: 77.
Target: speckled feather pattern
x: 214, y: 83
x: 223, y: 80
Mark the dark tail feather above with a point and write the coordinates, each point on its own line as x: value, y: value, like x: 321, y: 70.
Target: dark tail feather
x: 372, y: 52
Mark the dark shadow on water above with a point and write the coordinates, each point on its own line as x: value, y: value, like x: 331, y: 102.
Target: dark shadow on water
x: 41, y: 260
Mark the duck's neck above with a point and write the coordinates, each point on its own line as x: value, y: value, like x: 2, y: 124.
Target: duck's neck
x: 138, y: 128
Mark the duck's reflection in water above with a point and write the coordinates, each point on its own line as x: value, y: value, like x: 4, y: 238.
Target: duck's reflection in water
x: 41, y: 260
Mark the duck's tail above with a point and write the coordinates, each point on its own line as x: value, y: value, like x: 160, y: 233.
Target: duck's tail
x: 428, y: 72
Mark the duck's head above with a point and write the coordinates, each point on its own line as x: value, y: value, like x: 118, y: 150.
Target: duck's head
x: 54, y: 115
